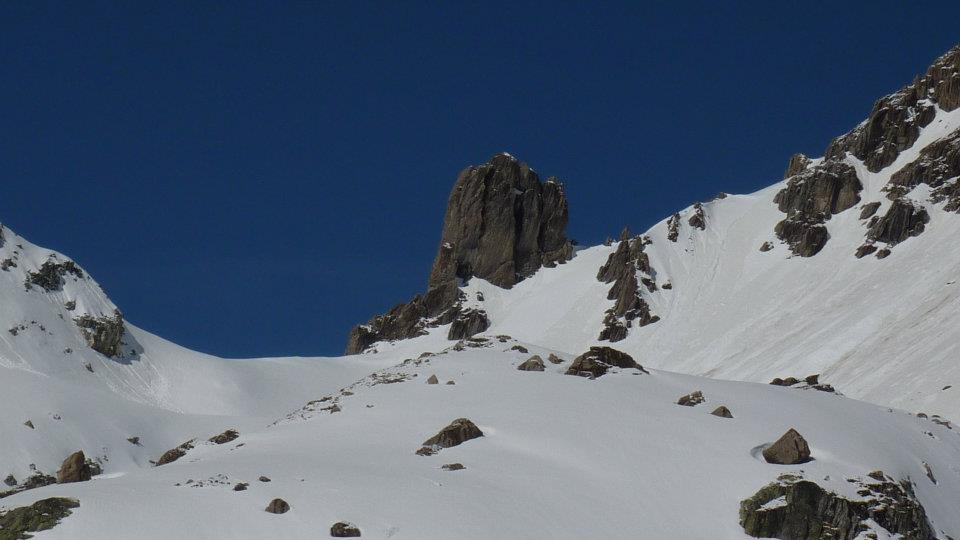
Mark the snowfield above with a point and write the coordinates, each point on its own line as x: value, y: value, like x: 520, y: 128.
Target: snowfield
x: 561, y: 456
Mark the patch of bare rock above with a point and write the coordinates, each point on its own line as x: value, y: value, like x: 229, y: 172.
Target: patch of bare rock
x: 599, y: 360
x: 458, y: 432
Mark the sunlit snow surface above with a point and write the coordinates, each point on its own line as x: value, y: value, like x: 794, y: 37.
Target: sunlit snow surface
x: 562, y: 456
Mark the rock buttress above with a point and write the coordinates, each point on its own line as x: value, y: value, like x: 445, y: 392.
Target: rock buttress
x: 502, y: 224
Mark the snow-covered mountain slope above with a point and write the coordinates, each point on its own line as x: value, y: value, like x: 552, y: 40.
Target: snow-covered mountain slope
x: 859, y: 285
x: 845, y: 268
x: 76, y: 397
x: 560, y: 457
x: 882, y: 330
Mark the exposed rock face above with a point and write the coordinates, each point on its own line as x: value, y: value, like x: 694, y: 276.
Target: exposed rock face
x: 433, y: 380
x: 42, y: 515
x: 792, y: 508
x: 765, y: 247
x: 810, y: 198
x: 692, y: 399
x: 342, y: 529
x: 936, y: 166
x: 51, y: 273
x: 791, y: 448
x: 74, y: 469
x: 554, y: 359
x: 797, y: 164
x: 673, y: 228
x: 458, y: 432
x: 278, y: 506
x: 502, y: 224
x: 868, y: 210
x: 806, y: 237
x: 864, y: 250
x: 468, y: 323
x: 828, y: 188
x: 698, y: 220
x: 895, y: 121
x: 723, y: 412
x: 175, y: 453
x: 225, y: 437
x: 598, y: 360
x: 903, y: 220
x: 534, y: 363
x: 103, y: 334
x: 621, y: 270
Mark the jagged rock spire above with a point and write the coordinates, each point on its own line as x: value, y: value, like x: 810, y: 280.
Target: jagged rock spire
x: 502, y: 224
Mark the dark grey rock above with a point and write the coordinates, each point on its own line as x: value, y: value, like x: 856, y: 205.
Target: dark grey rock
x: 534, y: 363
x: 103, y: 334
x: 598, y: 360
x: 502, y: 224
x: 278, y: 506
x: 895, y: 122
x: 225, y: 437
x: 810, y: 512
x: 864, y: 250
x: 723, y: 412
x: 901, y: 221
x: 175, y: 453
x: 342, y: 529
x: 790, y: 449
x: 698, y: 219
x: 868, y: 210
x: 458, y: 432
x: 50, y: 276
x: 673, y: 227
x: 468, y: 323
x: 692, y: 399
x: 798, y: 163
x: 74, y: 469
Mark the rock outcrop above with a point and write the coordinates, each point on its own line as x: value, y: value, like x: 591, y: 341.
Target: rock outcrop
x: 278, y: 506
x: 894, y: 123
x: 468, y: 323
x: 342, y: 529
x: 621, y: 269
x: 810, y: 198
x: 794, y: 508
x: 692, y: 399
x: 815, y: 192
x: 74, y: 469
x: 50, y: 276
x: 534, y: 363
x: 229, y: 435
x: 458, y: 432
x: 937, y: 166
x: 698, y: 219
x: 175, y: 453
x: 43, y: 515
x: 502, y: 224
x: 901, y: 221
x: 598, y: 360
x: 103, y: 334
x: 790, y: 449
x: 723, y: 412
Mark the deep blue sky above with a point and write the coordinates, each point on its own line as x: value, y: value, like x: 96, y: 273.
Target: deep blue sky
x: 252, y: 179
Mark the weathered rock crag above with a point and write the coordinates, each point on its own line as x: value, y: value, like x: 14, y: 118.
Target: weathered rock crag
x: 502, y: 224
